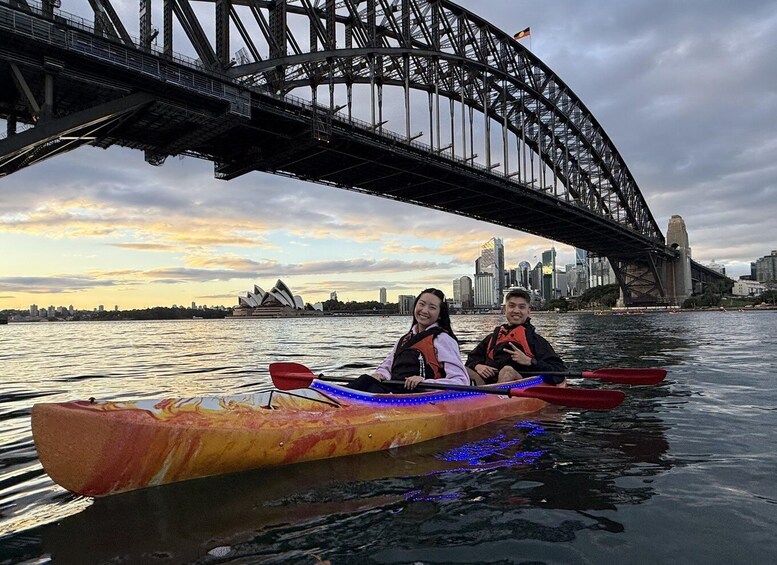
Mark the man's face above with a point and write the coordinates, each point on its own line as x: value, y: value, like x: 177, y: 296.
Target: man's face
x: 517, y: 310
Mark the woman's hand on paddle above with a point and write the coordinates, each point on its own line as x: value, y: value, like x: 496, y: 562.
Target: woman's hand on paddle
x: 517, y: 355
x: 412, y: 382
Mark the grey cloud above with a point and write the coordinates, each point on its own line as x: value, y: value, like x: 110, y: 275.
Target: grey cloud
x: 53, y: 284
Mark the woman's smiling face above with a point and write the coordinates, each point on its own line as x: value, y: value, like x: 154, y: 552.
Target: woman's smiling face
x: 427, y: 310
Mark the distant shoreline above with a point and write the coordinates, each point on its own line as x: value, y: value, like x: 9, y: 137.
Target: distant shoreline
x: 614, y: 312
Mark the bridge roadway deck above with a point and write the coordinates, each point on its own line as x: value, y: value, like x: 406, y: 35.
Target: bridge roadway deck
x: 199, y: 113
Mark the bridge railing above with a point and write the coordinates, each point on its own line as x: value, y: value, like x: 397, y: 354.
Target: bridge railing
x: 79, y: 37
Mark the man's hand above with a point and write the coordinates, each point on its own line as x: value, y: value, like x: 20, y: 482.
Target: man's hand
x: 517, y: 355
x: 485, y: 371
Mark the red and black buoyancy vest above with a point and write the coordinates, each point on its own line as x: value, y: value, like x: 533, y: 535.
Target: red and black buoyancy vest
x: 415, y: 355
x: 503, y: 336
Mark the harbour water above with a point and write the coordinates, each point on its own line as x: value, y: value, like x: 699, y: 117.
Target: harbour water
x: 681, y: 472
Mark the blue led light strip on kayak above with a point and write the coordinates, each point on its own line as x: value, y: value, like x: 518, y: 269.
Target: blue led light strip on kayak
x: 406, y: 399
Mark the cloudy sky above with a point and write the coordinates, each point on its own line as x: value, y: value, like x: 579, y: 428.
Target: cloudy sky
x: 687, y: 91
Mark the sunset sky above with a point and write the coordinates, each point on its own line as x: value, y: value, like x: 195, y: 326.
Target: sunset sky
x: 686, y: 91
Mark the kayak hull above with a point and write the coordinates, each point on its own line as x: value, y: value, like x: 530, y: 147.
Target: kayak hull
x: 101, y: 448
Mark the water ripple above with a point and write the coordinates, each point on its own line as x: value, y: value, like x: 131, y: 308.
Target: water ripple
x: 697, y: 449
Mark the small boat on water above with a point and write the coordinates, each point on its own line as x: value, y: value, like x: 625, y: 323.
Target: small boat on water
x: 97, y: 448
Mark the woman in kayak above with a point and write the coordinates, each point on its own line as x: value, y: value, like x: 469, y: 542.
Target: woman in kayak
x: 429, y: 351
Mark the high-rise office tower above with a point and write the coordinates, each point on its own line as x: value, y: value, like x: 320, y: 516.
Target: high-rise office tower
x: 465, y: 286
x: 492, y: 260
x: 549, y: 277
x: 524, y: 268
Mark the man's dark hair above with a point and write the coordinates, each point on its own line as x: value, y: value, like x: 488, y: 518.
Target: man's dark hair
x: 518, y: 293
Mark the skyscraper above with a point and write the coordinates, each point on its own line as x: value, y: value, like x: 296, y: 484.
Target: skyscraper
x: 406, y: 303
x: 524, y: 267
x: 484, y: 290
x: 549, y: 280
x: 765, y: 268
x: 492, y: 260
x: 582, y: 270
x: 601, y: 271
x: 383, y: 295
x: 465, y: 285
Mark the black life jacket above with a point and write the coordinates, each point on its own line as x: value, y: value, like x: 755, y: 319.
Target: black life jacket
x: 415, y: 355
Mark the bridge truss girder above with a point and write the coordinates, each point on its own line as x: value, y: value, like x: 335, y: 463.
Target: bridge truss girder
x: 423, y: 46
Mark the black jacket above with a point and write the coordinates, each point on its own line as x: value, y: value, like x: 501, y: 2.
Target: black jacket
x: 546, y: 358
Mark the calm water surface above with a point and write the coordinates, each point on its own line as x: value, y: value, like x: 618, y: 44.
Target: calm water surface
x: 682, y: 472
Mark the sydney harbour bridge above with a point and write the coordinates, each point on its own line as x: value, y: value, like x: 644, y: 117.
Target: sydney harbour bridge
x: 421, y: 101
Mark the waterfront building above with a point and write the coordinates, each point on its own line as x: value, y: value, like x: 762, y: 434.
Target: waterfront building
x: 467, y: 297
x: 333, y: 295
x: 406, y: 303
x: 484, y: 290
x: 277, y: 302
x: 765, y: 269
x: 601, y: 272
x: 383, y: 295
x: 745, y: 287
x: 34, y: 310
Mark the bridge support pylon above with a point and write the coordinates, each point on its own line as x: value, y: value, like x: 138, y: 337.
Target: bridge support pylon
x: 678, y: 271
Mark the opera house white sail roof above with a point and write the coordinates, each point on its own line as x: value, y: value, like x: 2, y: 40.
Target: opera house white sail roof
x: 278, y: 296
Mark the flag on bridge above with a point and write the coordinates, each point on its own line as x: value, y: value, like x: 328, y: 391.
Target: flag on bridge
x: 523, y: 33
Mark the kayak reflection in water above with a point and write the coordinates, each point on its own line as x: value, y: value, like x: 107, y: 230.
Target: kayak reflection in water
x: 428, y: 352
x: 514, y: 348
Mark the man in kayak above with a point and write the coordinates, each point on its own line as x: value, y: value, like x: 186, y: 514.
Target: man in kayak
x: 513, y: 348
x: 429, y: 351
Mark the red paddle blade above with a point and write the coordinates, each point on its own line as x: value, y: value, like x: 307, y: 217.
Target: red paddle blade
x: 288, y: 376
x: 587, y: 398
x: 628, y: 376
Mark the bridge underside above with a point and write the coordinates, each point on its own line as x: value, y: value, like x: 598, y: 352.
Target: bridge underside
x: 71, y: 99
x: 284, y: 138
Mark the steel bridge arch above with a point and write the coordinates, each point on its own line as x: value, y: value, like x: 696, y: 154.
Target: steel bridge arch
x: 430, y: 46
x: 483, y: 68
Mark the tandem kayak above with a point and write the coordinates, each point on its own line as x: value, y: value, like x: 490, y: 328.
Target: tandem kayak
x: 96, y: 448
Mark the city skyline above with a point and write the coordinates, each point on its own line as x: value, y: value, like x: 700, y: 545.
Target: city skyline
x: 689, y: 111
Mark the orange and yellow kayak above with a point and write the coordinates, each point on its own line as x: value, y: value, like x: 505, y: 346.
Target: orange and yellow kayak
x: 98, y: 448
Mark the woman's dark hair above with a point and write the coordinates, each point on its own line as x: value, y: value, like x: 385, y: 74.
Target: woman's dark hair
x: 444, y: 320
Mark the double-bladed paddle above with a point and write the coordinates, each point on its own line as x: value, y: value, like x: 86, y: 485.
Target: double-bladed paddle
x: 627, y: 376
x: 288, y: 376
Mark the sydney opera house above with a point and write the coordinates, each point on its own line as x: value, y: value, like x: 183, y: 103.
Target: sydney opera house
x: 276, y: 303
